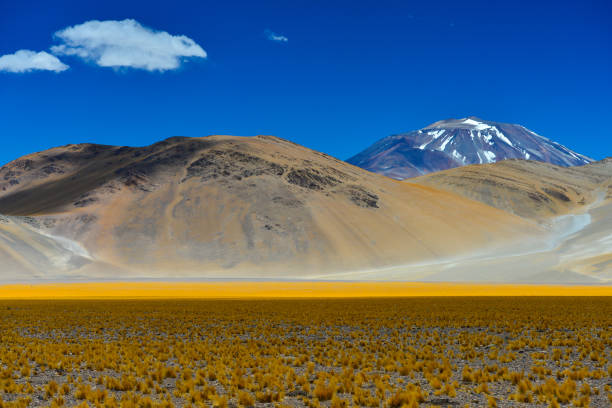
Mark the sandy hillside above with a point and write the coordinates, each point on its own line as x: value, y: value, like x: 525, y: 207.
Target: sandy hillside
x: 527, y: 188
x: 574, y: 204
x: 225, y: 206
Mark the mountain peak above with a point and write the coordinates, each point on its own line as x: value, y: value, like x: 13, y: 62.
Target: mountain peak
x: 463, y: 123
x: 453, y: 143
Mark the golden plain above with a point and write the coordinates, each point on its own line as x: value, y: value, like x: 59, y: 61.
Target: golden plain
x: 376, y: 352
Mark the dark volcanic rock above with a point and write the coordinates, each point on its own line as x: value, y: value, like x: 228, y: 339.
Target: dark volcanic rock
x: 311, y: 179
x: 238, y: 165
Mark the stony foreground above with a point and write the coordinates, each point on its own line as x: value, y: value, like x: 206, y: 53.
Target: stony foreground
x: 357, y: 352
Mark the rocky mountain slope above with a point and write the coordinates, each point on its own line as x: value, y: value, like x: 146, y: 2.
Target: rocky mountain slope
x: 224, y: 206
x: 458, y: 142
x: 526, y: 188
x: 574, y: 203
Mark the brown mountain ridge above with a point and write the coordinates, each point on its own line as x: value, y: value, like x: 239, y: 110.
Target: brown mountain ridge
x: 264, y: 207
x: 226, y: 206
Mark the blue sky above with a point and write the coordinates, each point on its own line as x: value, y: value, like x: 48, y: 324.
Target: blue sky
x: 334, y: 76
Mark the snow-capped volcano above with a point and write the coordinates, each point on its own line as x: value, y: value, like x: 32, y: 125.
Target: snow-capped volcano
x: 458, y: 142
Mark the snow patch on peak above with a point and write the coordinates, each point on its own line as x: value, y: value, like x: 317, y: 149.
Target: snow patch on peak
x: 448, y: 139
x: 436, y: 133
x: 533, y: 133
x: 470, y: 122
x: 479, y: 157
x: 486, y: 136
x: 502, y: 136
x: 458, y: 156
x: 490, y: 156
x: 477, y: 125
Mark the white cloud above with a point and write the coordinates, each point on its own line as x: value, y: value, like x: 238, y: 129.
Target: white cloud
x: 272, y: 36
x: 126, y: 43
x: 26, y: 60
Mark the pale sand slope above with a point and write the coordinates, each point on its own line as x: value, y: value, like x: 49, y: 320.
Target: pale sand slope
x: 29, y: 252
x: 574, y: 204
x: 582, y: 257
x: 225, y: 206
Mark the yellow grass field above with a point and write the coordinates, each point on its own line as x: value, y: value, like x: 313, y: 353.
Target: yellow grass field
x: 228, y: 290
x: 307, y: 353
